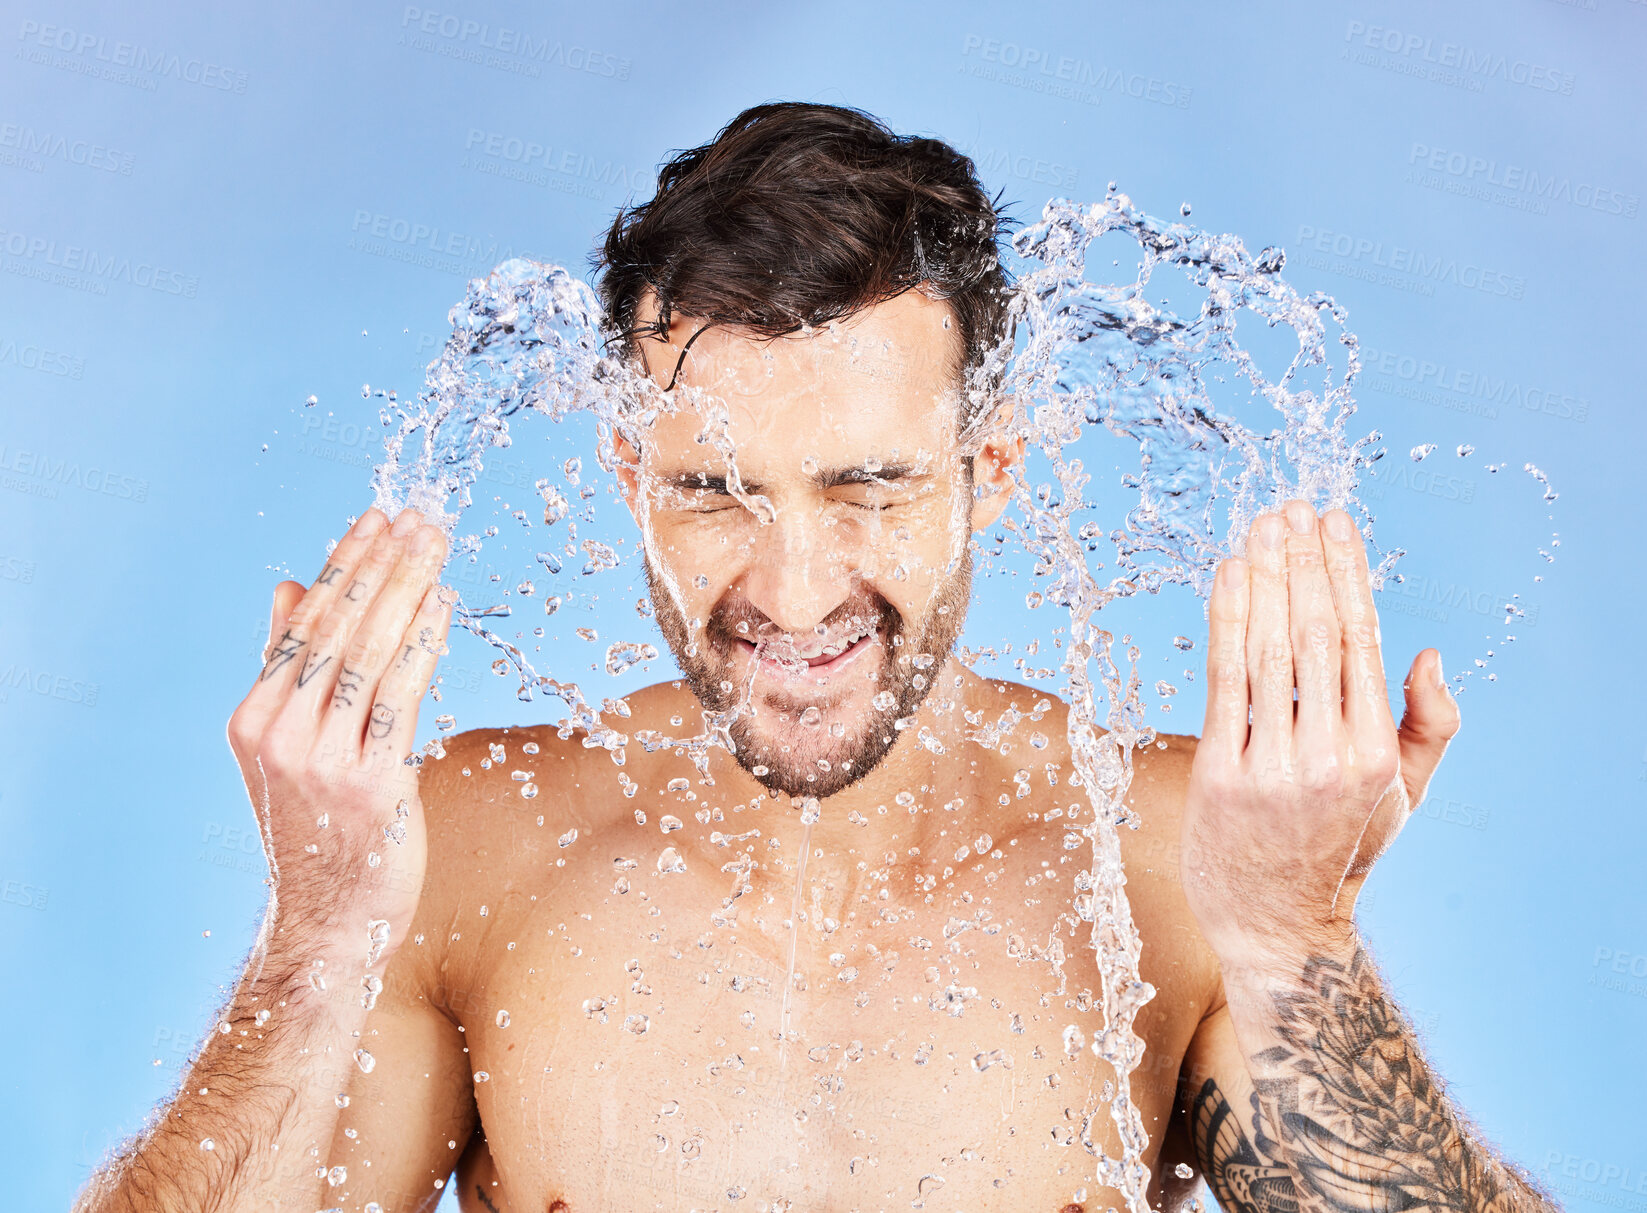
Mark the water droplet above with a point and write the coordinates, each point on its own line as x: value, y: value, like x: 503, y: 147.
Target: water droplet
x: 670, y: 861
x: 503, y: 1019
x: 365, y: 1061
x: 568, y: 838
x: 623, y: 656
x: 1184, y: 1171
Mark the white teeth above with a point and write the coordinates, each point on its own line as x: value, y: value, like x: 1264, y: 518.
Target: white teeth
x: 785, y: 650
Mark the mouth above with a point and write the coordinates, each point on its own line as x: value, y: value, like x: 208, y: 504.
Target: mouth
x: 831, y: 660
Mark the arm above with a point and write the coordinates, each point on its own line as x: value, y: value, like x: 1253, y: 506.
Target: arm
x: 1342, y: 1113
x: 1313, y: 1094
x: 323, y: 740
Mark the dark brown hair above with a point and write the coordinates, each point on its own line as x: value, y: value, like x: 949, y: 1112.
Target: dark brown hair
x: 799, y: 214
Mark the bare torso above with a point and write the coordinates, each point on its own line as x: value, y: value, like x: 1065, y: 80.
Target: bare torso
x: 628, y: 1026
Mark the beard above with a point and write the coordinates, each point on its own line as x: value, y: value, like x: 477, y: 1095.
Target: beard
x: 794, y: 742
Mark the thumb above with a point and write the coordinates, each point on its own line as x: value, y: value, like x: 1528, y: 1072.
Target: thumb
x: 1429, y: 723
x: 286, y: 597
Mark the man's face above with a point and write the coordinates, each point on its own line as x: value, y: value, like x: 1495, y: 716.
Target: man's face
x: 811, y: 554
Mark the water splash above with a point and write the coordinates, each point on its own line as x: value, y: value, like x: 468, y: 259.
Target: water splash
x: 1235, y: 389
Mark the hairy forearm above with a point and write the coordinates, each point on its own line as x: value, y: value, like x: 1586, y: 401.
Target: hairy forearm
x: 253, y: 1120
x: 1348, y: 1104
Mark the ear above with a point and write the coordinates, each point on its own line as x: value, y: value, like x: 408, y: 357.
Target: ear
x: 999, y: 457
x: 626, y: 467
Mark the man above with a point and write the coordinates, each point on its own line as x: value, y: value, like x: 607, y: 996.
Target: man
x: 840, y: 971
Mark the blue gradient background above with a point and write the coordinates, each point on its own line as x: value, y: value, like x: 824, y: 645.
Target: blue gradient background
x: 129, y: 627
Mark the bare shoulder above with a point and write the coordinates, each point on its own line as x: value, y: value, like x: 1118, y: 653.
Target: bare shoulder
x: 497, y: 797
x: 491, y: 788
x: 1019, y: 720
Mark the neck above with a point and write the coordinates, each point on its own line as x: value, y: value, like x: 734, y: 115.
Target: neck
x: 916, y: 790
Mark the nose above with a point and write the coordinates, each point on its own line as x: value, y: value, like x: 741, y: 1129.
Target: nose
x: 798, y: 571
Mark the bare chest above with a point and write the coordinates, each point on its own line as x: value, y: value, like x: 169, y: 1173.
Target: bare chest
x: 663, y: 1049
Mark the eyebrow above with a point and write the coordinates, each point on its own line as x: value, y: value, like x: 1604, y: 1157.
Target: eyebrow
x: 823, y: 478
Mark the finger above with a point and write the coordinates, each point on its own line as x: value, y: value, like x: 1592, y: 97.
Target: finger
x: 323, y: 671
x: 355, y: 711
x: 1224, y: 736
x: 1430, y: 722
x: 393, y: 724
x: 287, y: 649
x: 291, y: 629
x: 1317, y: 658
x: 1366, y: 698
x: 286, y: 597
x: 1269, y: 654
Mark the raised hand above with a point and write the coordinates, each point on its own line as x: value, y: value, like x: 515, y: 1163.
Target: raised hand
x: 1285, y: 815
x: 324, y: 737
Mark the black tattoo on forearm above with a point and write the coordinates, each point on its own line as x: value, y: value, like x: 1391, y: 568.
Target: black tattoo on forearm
x: 312, y: 667
x: 1243, y: 1180
x: 382, y: 721
x: 280, y: 653
x: 1360, y: 1121
x: 481, y: 1192
x: 348, y: 682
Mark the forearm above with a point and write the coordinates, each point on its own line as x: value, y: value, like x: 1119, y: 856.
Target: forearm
x: 1348, y: 1103
x: 253, y: 1120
